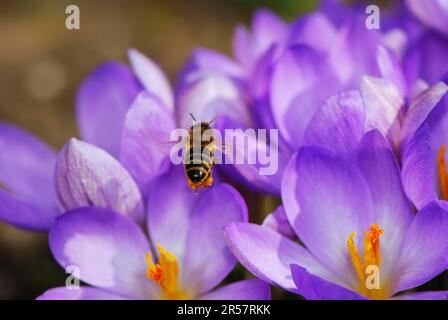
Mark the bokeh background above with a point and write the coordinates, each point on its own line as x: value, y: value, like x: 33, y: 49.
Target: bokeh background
x: 42, y: 65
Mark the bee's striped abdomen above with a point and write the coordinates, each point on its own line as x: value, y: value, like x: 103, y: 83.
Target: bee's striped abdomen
x: 198, y: 163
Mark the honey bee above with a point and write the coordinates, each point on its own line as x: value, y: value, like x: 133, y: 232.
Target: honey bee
x: 199, y: 154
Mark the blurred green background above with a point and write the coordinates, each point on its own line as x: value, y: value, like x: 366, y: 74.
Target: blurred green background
x: 42, y: 64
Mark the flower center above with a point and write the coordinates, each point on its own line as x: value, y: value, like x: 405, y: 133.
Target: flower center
x: 441, y: 169
x: 165, y: 273
x: 368, y: 268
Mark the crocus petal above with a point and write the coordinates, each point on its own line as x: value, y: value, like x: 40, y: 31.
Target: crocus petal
x: 298, y: 88
x: 383, y: 103
x: 312, y: 287
x: 146, y: 135
x: 391, y: 68
x: 333, y: 201
x: 428, y: 295
x: 258, y: 162
x: 102, y: 102
x: 243, y: 47
x: 207, y: 259
x: 213, y: 95
x: 267, y: 29
x: 433, y: 13
x: 268, y: 255
x: 27, y: 166
x: 424, y: 251
x: 204, y: 62
x: 426, y: 58
x: 88, y: 176
x: 278, y: 222
x: 418, y: 169
x: 242, y: 290
x: 108, y: 249
x: 197, y: 222
x: 338, y: 125
x: 168, y: 218
x: 152, y: 78
x: 420, y: 108
x: 25, y: 215
x: 81, y: 293
x: 305, y: 28
x: 391, y: 208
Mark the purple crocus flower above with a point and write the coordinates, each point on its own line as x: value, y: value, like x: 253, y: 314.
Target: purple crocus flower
x: 395, y: 106
x: 109, y: 244
x: 352, y: 217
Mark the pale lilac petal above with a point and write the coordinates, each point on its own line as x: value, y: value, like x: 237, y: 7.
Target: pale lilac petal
x: 213, y: 95
x: 242, y: 290
x: 330, y: 196
x: 242, y: 45
x: 168, y: 218
x: 391, y: 69
x: 418, y: 169
x: 433, y: 13
x: 305, y: 28
x: 81, y: 293
x: 204, y: 63
x: 428, y: 295
x: 152, y: 77
x: 338, y: 125
x: 146, y: 136
x: 258, y: 163
x: 258, y: 90
x: 25, y: 215
x: 312, y: 287
x: 300, y: 84
x: 424, y: 250
x: 108, y: 249
x: 27, y: 166
x: 88, y: 176
x: 383, y: 103
x: 207, y: 260
x: 426, y: 58
x: 102, y: 102
x: 278, y: 222
x: 391, y: 207
x: 420, y: 108
x: 196, y: 222
x: 267, y: 29
x: 268, y: 255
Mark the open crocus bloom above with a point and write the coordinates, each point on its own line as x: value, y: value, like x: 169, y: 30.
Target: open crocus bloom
x: 355, y: 223
x: 185, y: 257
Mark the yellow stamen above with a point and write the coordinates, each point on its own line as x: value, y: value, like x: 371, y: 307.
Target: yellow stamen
x: 371, y: 257
x: 441, y: 168
x: 165, y: 273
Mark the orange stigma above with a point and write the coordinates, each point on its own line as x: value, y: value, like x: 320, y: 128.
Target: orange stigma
x: 441, y: 169
x: 165, y: 273
x: 369, y: 264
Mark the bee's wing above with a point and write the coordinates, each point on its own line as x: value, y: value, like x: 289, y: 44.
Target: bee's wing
x: 227, y: 150
x: 167, y: 146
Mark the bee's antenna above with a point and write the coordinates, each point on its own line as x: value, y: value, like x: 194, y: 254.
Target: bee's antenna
x: 192, y: 117
x: 213, y: 120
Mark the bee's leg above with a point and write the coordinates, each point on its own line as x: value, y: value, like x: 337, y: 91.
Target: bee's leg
x: 208, y: 182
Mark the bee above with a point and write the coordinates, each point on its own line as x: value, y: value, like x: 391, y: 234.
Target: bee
x: 199, y: 154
